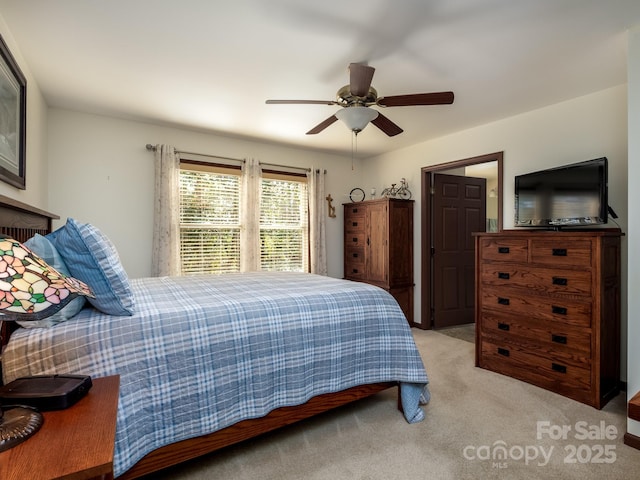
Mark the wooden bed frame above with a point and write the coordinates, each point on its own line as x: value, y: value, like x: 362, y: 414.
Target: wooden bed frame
x: 21, y: 221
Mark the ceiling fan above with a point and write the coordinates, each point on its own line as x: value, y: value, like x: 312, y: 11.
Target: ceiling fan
x: 357, y: 98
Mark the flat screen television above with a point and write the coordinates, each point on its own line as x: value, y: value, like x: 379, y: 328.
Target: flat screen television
x: 570, y: 195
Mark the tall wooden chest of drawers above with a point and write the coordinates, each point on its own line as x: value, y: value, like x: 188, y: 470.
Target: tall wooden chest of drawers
x: 378, y: 247
x: 548, y: 310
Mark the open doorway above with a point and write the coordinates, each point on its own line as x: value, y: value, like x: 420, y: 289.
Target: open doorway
x: 449, y: 299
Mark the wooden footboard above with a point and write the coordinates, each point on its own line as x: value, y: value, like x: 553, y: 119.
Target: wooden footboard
x: 188, y: 449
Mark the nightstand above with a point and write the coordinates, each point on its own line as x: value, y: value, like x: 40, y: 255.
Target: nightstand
x: 73, y: 444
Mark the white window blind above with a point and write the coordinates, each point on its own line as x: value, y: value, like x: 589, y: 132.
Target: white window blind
x: 284, y: 224
x: 209, y: 220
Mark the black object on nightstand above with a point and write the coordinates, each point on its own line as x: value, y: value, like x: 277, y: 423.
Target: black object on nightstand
x: 46, y: 392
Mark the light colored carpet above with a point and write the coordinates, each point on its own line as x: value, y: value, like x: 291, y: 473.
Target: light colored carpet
x: 471, y: 412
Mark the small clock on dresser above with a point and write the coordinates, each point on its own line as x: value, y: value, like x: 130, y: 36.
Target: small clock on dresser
x: 356, y: 195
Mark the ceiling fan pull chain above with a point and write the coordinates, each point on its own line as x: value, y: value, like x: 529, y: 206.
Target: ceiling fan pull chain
x: 354, y: 141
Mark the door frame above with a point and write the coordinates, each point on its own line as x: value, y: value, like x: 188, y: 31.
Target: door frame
x: 426, y: 175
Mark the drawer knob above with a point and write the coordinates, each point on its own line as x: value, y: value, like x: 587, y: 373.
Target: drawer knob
x: 503, y: 351
x: 503, y: 301
x: 559, y: 252
x: 560, y: 281
x: 355, y: 255
x: 355, y: 240
x: 355, y: 270
x: 503, y: 275
x: 503, y: 249
x: 556, y: 367
x: 559, y: 339
x: 503, y: 326
x: 355, y: 210
x: 558, y: 310
x: 355, y: 224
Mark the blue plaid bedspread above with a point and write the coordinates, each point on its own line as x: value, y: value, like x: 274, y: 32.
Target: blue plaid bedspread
x: 205, y: 352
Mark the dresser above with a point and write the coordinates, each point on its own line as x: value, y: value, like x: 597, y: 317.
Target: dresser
x: 378, y: 247
x: 548, y: 310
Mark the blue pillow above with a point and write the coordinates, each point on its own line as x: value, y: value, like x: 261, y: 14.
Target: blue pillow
x: 47, y: 252
x: 92, y: 258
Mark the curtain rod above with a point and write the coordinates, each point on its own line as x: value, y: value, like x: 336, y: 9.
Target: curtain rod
x: 153, y: 148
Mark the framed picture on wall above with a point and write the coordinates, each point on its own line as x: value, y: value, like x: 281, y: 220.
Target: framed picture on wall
x: 13, y: 121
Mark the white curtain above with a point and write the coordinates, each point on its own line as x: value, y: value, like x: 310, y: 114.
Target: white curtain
x: 250, y: 216
x: 317, y: 222
x: 165, y: 255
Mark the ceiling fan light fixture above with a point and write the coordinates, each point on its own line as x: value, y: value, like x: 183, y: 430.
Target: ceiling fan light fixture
x: 356, y: 117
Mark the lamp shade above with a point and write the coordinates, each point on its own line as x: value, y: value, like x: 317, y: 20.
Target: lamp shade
x: 356, y: 117
x: 30, y: 289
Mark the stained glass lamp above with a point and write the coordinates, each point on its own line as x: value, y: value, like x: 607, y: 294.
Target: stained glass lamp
x: 30, y: 289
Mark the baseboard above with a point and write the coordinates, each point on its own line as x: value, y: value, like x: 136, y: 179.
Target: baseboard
x: 632, y: 440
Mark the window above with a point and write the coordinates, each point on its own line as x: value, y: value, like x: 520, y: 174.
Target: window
x: 210, y: 220
x: 284, y: 225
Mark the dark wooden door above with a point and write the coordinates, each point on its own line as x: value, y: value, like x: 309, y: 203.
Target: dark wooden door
x: 459, y: 208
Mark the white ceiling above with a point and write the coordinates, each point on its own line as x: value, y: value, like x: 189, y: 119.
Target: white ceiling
x: 211, y: 64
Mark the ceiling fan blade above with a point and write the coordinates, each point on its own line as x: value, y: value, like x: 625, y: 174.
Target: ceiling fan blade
x: 386, y: 125
x: 301, y: 102
x: 360, y: 77
x: 322, y: 125
x: 436, y: 98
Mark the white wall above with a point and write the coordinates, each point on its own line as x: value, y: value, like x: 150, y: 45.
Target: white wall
x: 36, y: 167
x: 101, y: 173
x: 584, y: 128
x: 633, y: 324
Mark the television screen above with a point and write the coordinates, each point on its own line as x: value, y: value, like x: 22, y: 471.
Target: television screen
x: 573, y: 194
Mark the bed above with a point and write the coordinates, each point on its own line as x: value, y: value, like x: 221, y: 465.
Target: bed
x: 208, y: 361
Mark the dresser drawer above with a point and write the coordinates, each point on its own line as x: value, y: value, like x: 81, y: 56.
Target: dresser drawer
x: 354, y: 271
x: 556, y: 336
x: 354, y: 211
x: 504, y: 249
x: 354, y: 255
x: 354, y: 239
x: 354, y: 224
x: 570, y: 252
x: 547, y: 371
x: 537, y: 279
x: 514, y: 303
